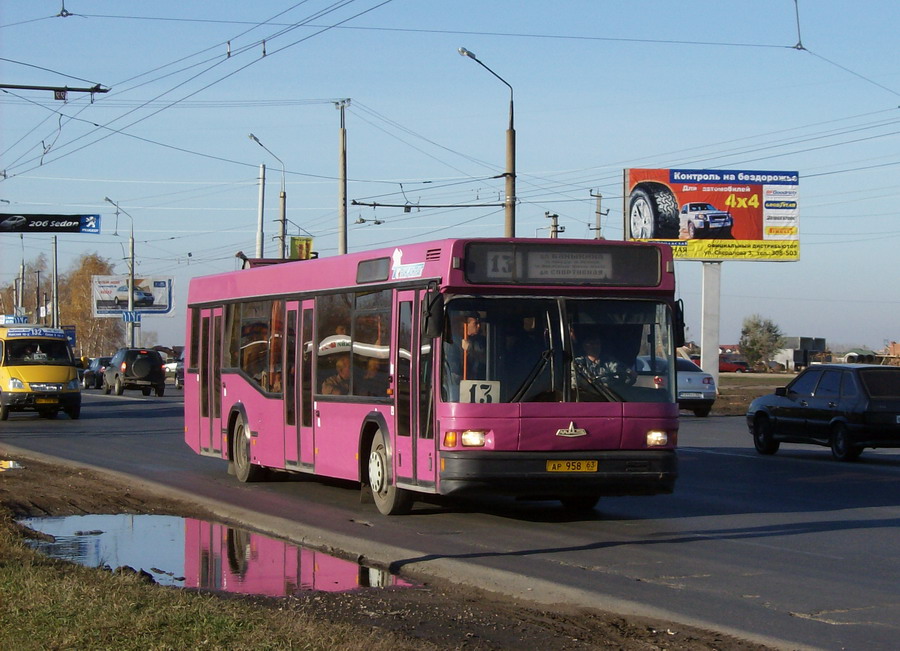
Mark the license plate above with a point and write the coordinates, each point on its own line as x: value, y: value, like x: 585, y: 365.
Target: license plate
x: 572, y: 466
x: 690, y: 394
x: 45, y: 401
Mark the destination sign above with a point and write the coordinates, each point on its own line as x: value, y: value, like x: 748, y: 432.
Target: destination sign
x: 500, y: 263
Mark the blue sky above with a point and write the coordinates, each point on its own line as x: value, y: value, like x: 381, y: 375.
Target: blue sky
x: 599, y: 86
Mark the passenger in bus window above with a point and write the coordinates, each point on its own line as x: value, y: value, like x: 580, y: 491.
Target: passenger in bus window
x: 467, y: 360
x: 374, y: 382
x: 338, y: 384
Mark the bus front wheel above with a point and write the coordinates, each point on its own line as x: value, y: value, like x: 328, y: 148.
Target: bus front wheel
x: 389, y: 499
x: 244, y: 470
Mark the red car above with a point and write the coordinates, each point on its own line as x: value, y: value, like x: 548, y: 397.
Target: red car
x: 733, y: 366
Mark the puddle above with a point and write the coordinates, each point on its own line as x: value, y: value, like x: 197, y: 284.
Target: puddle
x: 191, y: 553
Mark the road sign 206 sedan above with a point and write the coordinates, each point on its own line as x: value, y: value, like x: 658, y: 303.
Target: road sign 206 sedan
x: 845, y: 406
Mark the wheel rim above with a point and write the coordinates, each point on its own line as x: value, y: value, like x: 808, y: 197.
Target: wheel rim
x: 641, y: 220
x: 377, y: 471
x: 839, y: 442
x: 762, y: 434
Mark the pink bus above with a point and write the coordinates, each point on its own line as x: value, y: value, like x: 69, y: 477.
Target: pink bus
x: 536, y: 368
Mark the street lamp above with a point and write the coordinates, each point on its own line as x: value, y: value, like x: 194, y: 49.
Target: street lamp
x: 283, y: 195
x: 129, y: 325
x: 510, y: 174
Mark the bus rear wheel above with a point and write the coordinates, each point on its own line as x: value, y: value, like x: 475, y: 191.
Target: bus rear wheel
x: 244, y: 470
x: 389, y: 499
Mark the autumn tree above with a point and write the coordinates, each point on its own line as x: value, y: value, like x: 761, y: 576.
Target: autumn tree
x: 95, y: 336
x: 760, y: 340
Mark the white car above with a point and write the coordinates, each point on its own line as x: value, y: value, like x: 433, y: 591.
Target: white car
x: 705, y: 220
x: 13, y: 223
x: 142, y: 298
x: 696, y: 389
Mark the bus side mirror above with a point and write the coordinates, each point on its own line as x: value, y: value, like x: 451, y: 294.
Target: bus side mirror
x: 433, y: 315
x: 678, y: 325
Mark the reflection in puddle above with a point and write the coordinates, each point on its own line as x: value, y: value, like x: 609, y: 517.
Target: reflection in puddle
x: 191, y: 553
x: 6, y: 464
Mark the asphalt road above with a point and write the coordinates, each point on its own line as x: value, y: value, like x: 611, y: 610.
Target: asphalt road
x: 795, y: 550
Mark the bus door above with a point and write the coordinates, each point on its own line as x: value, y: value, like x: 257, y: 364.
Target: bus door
x: 304, y: 386
x: 426, y: 444
x: 414, y: 443
x: 289, y: 384
x: 210, y: 369
x: 404, y: 389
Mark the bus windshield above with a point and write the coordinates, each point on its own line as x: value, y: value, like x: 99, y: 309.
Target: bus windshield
x: 512, y: 350
x: 20, y: 352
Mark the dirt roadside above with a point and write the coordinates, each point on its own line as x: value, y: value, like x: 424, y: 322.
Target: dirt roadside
x: 444, y: 615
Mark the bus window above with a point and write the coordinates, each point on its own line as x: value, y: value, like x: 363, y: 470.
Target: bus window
x: 517, y: 350
x: 371, y: 338
x: 306, y: 379
x: 333, y: 340
x: 254, y: 346
x: 290, y: 378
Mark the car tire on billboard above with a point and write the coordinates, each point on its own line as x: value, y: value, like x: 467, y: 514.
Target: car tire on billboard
x: 653, y: 212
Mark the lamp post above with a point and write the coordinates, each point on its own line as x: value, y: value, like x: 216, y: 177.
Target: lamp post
x: 510, y: 202
x: 129, y: 325
x: 283, y: 197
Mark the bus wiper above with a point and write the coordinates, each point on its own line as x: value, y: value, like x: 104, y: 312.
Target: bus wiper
x: 533, y: 375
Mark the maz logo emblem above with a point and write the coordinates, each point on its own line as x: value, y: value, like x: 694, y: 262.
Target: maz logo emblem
x: 571, y: 431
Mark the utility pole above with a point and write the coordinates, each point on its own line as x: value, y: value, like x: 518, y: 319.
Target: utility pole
x: 260, y: 234
x: 55, y: 321
x: 510, y: 174
x: 555, y: 228
x: 599, y: 213
x: 38, y: 306
x: 342, y: 184
x: 21, y: 302
x: 282, y: 237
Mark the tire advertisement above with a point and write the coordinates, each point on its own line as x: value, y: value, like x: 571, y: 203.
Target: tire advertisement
x: 715, y: 214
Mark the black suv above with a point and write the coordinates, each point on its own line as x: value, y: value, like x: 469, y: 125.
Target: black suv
x: 133, y: 368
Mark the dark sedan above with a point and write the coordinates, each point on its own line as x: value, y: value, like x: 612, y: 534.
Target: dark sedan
x: 845, y: 406
x: 92, y: 378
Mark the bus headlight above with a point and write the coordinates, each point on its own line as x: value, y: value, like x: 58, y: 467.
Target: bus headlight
x: 657, y: 438
x: 470, y: 438
x: 473, y: 438
x: 16, y: 383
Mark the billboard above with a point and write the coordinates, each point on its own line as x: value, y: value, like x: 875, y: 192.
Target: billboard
x: 152, y: 295
x: 49, y: 223
x: 715, y: 214
x: 300, y: 248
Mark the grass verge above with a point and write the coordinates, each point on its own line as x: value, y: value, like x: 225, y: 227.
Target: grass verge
x: 737, y: 390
